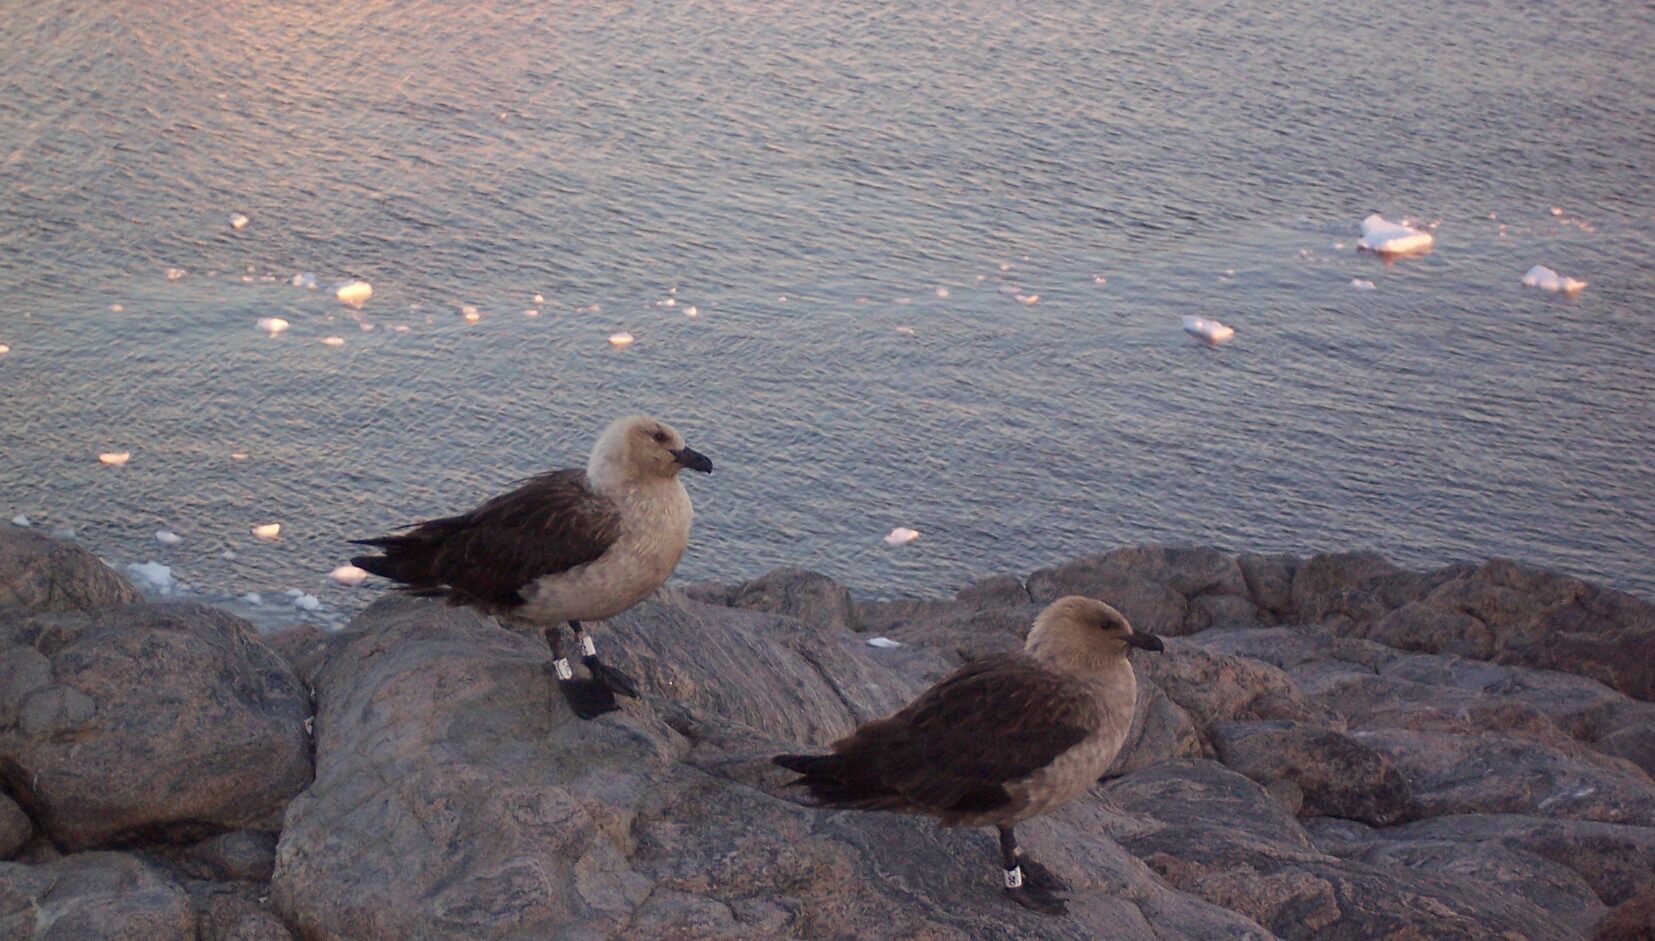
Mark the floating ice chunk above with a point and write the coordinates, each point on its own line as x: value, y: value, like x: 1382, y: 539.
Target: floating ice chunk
x: 1362, y: 284
x: 253, y: 598
x: 154, y: 574
x: 621, y: 339
x: 942, y: 292
x: 4, y: 349
x: 269, y: 532
x: 115, y: 458
x: 667, y: 302
x: 167, y: 537
x: 1557, y: 210
x: 306, y: 602
x: 273, y: 325
x: 531, y: 312
x: 21, y: 520
x: 239, y: 456
x: 539, y: 299
x: 1099, y: 279
x: 228, y: 555
x: 333, y: 341
x: 116, y: 308
x: 1030, y: 299
x: 905, y: 331
x: 64, y: 532
x: 901, y: 536
x: 354, y: 293
x: 1384, y: 237
x: 691, y: 312
x: 348, y: 575
x: 305, y: 279
x: 1009, y: 289
x: 238, y: 221
x: 174, y: 274
x: 1548, y: 280
x: 884, y: 642
x: 1210, y: 330
x: 470, y: 313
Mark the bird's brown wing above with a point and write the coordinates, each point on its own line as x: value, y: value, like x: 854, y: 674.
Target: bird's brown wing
x: 952, y: 750
x: 550, y: 524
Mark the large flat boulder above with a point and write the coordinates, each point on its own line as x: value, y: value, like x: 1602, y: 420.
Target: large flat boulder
x: 40, y: 573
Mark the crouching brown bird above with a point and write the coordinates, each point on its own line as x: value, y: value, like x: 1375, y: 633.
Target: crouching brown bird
x: 567, y: 546
x: 1003, y: 739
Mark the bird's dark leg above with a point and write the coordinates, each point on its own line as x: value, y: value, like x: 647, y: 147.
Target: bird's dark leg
x: 616, y: 680
x: 1028, y: 883
x: 560, y: 663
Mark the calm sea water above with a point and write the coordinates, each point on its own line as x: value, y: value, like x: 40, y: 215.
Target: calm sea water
x: 850, y: 195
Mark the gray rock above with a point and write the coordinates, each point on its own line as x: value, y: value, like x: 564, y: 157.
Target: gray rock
x: 792, y: 592
x: 149, y: 721
x: 234, y: 913
x: 237, y: 856
x: 995, y: 591
x: 15, y: 827
x: 1269, y: 581
x: 107, y: 896
x: 1336, y: 775
x: 1153, y: 586
x: 1214, y: 688
x: 1616, y: 860
x: 1631, y: 920
x: 1215, y: 834
x: 1554, y: 887
x: 39, y: 573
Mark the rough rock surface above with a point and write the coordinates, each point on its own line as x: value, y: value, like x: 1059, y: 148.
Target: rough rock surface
x: 1329, y: 748
x: 39, y: 573
x: 147, y: 721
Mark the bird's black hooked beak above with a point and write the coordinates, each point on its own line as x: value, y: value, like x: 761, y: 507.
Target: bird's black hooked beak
x: 692, y: 459
x: 1144, y: 641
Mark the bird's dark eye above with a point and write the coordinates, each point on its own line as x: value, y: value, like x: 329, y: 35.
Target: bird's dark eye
x: 660, y: 437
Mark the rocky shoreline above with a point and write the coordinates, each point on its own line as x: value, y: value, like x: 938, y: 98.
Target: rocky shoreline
x: 1331, y: 747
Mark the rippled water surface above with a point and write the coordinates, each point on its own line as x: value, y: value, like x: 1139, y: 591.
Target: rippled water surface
x: 852, y: 197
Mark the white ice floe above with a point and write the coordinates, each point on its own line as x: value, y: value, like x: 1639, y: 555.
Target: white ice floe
x: 4, y: 349
x: 1548, y: 280
x: 884, y: 642
x: 333, y: 341
x: 115, y: 458
x: 691, y: 311
x: 273, y: 325
x: 348, y: 575
x: 306, y: 602
x: 531, y: 312
x: 354, y: 293
x: 167, y: 537
x: 238, y: 221
x: 539, y: 299
x: 621, y: 339
x: 1362, y: 284
x: 901, y: 536
x: 269, y: 532
x: 174, y: 274
x: 153, y: 575
x: 942, y: 292
x: 906, y: 331
x: 1203, y: 328
x: 1384, y: 237
x: 471, y: 314
x: 1030, y: 299
x: 21, y: 520
x: 305, y: 279
x: 253, y: 598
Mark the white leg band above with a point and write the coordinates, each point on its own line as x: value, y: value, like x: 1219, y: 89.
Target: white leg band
x: 586, y: 648
x: 561, y: 665
x: 1014, y: 877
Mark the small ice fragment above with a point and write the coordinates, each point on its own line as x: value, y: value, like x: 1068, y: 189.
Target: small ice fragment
x: 21, y: 520
x: 400, y: 328
x: 942, y: 292
x: 1361, y: 284
x: 531, y: 312
x: 307, y: 602
x: 293, y: 592
x: 1548, y: 280
x: 366, y: 327
x: 167, y: 537
x: 115, y: 458
x: 348, y: 575
x: 1099, y: 279
x: 667, y: 302
x: 228, y: 555
x: 333, y: 341
x: 354, y: 293
x: 4, y: 349
x: 174, y: 274
x: 884, y: 642
x: 1008, y: 289
x: 239, y: 456
x: 539, y: 299
x: 1557, y: 211
x: 1030, y: 299
x: 1384, y: 237
x: 269, y: 532
x: 116, y: 308
x: 238, y: 221
x: 305, y: 279
x: 253, y: 598
x: 621, y: 339
x: 470, y: 314
x: 1210, y: 330
x: 273, y: 325
x: 153, y: 574
x: 905, y: 331
x: 901, y: 536
x: 691, y: 312
x: 64, y: 532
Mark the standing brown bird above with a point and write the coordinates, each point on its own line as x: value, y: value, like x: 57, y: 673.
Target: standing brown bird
x: 1003, y: 739
x: 569, y: 546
